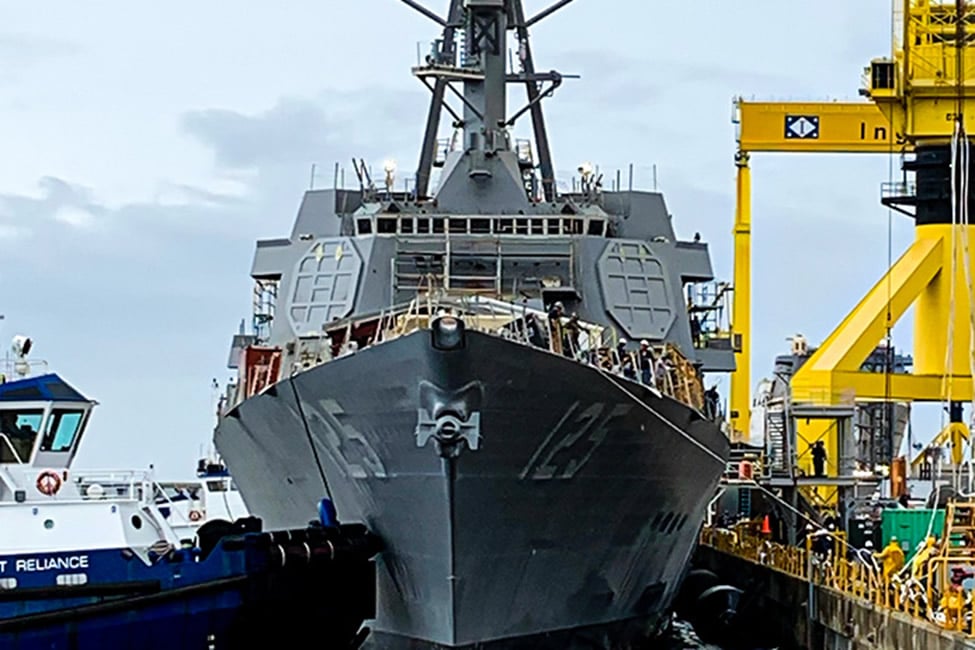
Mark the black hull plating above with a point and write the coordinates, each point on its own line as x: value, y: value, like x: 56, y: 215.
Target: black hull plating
x: 568, y: 504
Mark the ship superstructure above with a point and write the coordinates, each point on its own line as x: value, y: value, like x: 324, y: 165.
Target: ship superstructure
x: 505, y: 383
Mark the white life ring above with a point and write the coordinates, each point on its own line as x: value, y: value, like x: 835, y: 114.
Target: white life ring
x: 195, y: 515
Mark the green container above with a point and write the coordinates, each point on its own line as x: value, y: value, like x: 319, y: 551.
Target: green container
x: 911, y: 527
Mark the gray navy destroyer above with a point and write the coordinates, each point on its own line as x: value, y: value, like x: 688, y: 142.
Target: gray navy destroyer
x: 503, y: 381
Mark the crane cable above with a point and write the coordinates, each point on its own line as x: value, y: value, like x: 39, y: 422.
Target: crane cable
x: 888, y: 410
x: 959, y: 209
x: 965, y: 150
x: 947, y: 377
x: 960, y: 152
x: 962, y: 149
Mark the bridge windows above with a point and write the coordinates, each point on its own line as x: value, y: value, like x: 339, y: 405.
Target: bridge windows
x: 521, y: 225
x: 480, y: 226
x: 20, y: 428
x: 18, y: 432
x: 62, y: 430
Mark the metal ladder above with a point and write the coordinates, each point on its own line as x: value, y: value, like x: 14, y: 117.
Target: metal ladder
x: 775, y: 431
x: 745, y: 501
x: 960, y: 529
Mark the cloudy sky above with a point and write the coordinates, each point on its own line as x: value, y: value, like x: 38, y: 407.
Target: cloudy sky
x: 146, y: 148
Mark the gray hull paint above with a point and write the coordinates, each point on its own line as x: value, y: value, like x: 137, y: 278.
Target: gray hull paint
x: 578, y: 508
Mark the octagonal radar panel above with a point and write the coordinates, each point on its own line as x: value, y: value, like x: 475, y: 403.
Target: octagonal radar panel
x: 635, y: 289
x: 324, y: 284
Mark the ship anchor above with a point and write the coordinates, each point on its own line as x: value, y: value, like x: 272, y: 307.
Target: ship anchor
x: 450, y: 418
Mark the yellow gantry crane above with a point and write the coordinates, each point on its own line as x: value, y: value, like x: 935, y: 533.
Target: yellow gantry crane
x: 921, y: 106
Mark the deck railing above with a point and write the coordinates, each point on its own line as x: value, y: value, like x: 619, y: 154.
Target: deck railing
x: 671, y: 373
x: 908, y: 591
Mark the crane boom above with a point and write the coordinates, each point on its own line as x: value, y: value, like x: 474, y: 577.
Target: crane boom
x: 920, y: 106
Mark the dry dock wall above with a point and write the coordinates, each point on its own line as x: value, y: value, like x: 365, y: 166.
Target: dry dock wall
x: 781, y: 603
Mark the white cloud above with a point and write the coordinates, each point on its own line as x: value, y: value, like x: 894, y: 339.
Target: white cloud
x: 177, y: 195
x: 75, y: 217
x: 12, y: 232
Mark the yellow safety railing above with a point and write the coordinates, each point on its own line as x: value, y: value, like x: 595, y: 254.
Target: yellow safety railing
x: 953, y: 610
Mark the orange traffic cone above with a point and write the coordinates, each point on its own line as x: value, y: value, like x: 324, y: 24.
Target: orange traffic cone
x: 766, y: 526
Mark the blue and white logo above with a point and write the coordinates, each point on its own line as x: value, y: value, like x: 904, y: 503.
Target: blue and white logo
x: 803, y: 127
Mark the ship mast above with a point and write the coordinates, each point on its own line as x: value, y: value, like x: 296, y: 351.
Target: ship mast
x: 480, y: 66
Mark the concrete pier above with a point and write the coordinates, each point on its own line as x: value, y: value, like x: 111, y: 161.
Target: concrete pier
x: 812, y: 617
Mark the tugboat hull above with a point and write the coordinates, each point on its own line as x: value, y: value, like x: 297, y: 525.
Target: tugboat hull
x: 523, y: 498
x: 261, y: 589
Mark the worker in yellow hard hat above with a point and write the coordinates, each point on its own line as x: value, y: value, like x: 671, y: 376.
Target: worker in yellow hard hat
x: 893, y: 558
x: 952, y: 603
x: 919, y: 564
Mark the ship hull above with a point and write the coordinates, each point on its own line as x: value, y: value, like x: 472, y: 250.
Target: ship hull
x: 523, y: 498
x: 258, y: 590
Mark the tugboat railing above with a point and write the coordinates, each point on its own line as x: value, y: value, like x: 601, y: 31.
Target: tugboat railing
x: 121, y: 486
x: 67, y: 501
x: 114, y: 485
x: 19, y: 368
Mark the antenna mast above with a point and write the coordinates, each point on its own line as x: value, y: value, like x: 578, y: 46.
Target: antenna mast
x: 482, y: 69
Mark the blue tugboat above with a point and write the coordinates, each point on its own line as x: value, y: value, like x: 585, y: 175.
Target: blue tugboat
x: 89, y: 560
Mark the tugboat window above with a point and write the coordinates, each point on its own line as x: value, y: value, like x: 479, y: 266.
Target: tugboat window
x: 62, y: 430
x: 18, y: 431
